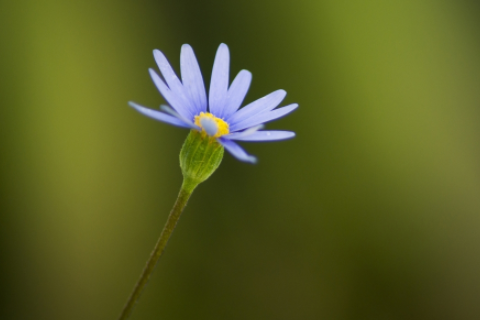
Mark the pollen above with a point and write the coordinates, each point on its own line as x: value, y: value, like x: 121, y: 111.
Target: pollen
x: 211, y: 125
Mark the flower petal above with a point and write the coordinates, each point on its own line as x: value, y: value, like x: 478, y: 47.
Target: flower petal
x: 157, y: 115
x: 219, y: 82
x: 262, y: 136
x: 255, y: 108
x: 237, y: 151
x: 175, y: 114
x: 244, y: 133
x: 262, y: 118
x: 168, y: 74
x: 236, y: 93
x: 192, y: 79
x: 177, y: 101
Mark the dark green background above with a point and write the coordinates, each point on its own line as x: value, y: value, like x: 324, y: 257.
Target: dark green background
x: 371, y: 212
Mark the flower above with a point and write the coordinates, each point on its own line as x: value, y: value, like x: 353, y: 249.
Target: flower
x: 221, y: 117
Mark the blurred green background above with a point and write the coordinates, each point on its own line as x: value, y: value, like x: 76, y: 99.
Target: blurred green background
x: 371, y: 212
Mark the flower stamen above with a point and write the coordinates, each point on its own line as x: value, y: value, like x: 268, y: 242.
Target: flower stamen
x: 211, y: 125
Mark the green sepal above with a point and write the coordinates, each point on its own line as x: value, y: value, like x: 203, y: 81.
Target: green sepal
x: 199, y: 158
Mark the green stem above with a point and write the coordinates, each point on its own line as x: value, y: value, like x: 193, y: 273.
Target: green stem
x: 185, y: 192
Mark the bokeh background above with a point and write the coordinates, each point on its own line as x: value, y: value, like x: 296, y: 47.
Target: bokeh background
x: 371, y: 212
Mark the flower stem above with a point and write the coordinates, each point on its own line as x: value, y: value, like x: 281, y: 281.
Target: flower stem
x: 185, y: 192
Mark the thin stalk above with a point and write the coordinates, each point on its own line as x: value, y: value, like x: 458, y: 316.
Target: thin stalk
x: 185, y: 193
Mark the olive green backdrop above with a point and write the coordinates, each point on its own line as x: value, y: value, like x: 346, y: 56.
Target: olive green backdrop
x: 371, y: 212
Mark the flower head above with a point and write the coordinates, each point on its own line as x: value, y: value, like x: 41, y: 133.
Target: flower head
x: 221, y: 117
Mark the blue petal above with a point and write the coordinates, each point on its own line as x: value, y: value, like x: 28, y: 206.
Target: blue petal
x: 172, y: 80
x: 168, y: 74
x: 157, y: 115
x: 236, y: 93
x: 192, y: 79
x: 219, y: 82
x: 244, y: 133
x: 261, y: 136
x: 178, y: 101
x: 174, y: 113
x: 262, y: 118
x: 267, y: 103
x: 237, y: 151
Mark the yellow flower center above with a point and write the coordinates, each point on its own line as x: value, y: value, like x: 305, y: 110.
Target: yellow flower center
x: 211, y: 125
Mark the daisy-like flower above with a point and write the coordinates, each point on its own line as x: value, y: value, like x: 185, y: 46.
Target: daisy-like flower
x: 220, y: 117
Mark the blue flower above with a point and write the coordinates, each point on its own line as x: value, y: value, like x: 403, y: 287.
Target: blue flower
x: 220, y: 117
